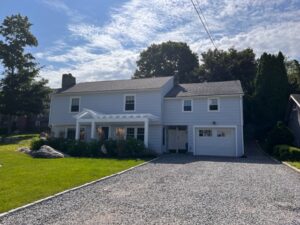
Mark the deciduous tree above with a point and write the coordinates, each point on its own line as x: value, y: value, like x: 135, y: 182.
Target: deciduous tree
x: 168, y: 59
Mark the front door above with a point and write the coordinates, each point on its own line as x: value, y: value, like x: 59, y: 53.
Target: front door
x: 177, y: 138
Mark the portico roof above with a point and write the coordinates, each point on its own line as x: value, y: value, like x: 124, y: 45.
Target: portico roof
x: 91, y: 115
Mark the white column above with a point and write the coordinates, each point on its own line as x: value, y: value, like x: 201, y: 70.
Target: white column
x: 93, y: 129
x: 146, y: 133
x: 77, y: 134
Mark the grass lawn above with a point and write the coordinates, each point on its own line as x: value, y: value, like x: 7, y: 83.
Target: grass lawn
x: 24, y: 179
x: 295, y: 164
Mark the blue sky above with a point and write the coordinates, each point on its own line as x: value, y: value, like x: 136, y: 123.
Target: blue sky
x: 101, y: 39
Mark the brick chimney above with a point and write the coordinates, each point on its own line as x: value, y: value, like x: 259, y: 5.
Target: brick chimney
x: 67, y: 81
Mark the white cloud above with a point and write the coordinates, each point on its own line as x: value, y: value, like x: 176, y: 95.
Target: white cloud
x: 110, y: 51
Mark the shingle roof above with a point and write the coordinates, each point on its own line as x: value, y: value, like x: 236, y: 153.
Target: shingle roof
x: 206, y: 88
x: 296, y: 98
x: 117, y: 85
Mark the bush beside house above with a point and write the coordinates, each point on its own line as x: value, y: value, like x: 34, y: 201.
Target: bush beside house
x: 279, y: 135
x: 279, y: 143
x: 287, y: 153
x: 107, y: 148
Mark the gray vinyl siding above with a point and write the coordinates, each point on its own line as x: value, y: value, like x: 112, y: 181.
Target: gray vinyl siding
x: 155, y: 139
x: 108, y: 103
x: 229, y: 115
x: 294, y: 123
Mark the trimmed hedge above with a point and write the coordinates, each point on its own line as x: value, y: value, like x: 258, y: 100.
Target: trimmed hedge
x: 114, y: 148
x: 286, y: 152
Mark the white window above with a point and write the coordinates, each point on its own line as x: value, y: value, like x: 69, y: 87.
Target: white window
x: 130, y: 132
x: 74, y: 107
x: 129, y: 103
x: 221, y: 133
x: 120, y: 133
x: 140, y: 134
x: 213, y: 104
x: 205, y: 133
x: 187, y: 105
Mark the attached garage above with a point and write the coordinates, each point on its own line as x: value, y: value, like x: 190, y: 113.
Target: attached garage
x: 215, y: 141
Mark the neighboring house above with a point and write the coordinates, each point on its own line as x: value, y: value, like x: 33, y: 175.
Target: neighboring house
x: 201, y: 118
x: 293, y: 116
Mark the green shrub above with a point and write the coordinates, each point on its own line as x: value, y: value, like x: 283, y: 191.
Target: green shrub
x: 135, y: 147
x: 95, y: 148
x: 36, y: 143
x: 286, y: 152
x: 279, y: 135
x: 111, y: 147
x: 115, y: 148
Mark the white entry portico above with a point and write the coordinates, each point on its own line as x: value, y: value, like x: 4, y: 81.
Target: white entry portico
x: 91, y: 117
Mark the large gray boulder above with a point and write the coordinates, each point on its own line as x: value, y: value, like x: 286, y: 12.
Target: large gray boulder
x: 46, y: 152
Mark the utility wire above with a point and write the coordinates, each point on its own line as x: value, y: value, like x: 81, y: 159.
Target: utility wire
x: 202, y: 14
x: 203, y: 23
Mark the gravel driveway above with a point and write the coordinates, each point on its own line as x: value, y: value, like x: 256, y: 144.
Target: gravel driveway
x: 180, y: 189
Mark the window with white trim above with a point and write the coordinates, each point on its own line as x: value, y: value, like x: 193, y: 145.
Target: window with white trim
x: 129, y: 132
x: 129, y: 102
x: 140, y: 134
x: 205, y: 133
x: 213, y: 104
x: 187, y: 105
x: 74, y: 104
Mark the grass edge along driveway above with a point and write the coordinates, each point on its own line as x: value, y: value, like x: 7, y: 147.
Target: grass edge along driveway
x: 24, y: 179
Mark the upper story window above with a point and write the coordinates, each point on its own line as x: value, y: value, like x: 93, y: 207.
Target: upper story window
x: 213, y: 104
x: 129, y: 102
x: 74, y: 104
x: 187, y: 105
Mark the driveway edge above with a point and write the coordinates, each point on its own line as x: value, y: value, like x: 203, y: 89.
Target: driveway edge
x: 73, y: 189
x: 276, y: 160
x: 292, y: 167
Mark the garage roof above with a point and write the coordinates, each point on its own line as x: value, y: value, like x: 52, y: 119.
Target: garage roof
x: 206, y: 89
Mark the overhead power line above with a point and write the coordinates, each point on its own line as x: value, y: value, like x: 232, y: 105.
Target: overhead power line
x: 203, y: 21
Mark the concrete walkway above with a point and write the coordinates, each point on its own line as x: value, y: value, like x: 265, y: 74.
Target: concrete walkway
x: 180, y: 189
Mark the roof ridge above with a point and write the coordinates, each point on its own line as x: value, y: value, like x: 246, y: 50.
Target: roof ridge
x: 146, y: 78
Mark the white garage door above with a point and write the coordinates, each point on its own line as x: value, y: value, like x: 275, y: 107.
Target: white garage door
x: 215, y: 141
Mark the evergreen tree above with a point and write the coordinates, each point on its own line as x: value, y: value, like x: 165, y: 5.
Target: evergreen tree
x: 22, y: 92
x: 271, y: 90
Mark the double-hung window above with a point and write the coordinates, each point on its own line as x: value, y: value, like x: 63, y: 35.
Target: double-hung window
x: 129, y: 102
x: 129, y: 132
x: 140, y: 134
x: 213, y: 105
x: 135, y: 132
x: 74, y: 104
x: 187, y: 105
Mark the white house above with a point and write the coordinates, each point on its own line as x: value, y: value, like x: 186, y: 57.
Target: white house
x: 200, y: 118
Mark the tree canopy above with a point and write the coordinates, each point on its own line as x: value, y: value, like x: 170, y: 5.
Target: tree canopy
x: 168, y: 59
x: 22, y: 92
x: 220, y: 65
x: 293, y: 72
